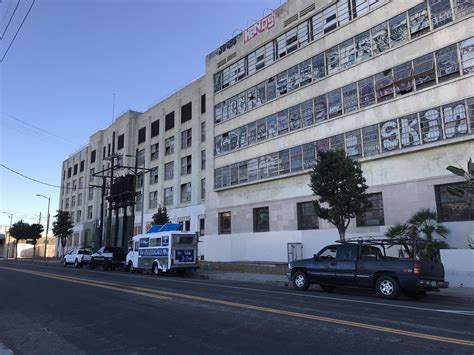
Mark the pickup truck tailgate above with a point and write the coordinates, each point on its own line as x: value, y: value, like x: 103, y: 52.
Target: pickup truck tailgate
x: 432, y: 270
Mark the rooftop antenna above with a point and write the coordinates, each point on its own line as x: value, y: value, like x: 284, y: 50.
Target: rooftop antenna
x: 113, y: 108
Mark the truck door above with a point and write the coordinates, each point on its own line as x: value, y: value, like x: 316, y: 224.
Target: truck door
x: 323, y: 267
x: 346, y: 264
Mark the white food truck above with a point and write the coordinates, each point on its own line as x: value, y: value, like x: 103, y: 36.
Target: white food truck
x: 163, y: 248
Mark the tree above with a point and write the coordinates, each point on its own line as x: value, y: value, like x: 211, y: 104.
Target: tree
x: 338, y: 183
x: 19, y: 231
x: 420, y: 230
x: 34, y: 233
x: 161, y: 217
x: 62, y: 227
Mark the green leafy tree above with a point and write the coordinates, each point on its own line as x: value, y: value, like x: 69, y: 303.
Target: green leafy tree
x: 421, y: 230
x: 161, y: 217
x: 34, y: 233
x: 338, y: 183
x: 19, y: 231
x: 62, y: 227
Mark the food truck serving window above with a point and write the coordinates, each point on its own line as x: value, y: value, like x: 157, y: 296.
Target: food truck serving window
x: 155, y: 242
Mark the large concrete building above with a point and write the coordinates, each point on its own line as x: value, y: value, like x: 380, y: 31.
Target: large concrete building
x: 391, y: 82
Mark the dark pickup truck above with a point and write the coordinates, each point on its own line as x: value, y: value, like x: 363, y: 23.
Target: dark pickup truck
x: 108, y: 257
x: 365, y: 265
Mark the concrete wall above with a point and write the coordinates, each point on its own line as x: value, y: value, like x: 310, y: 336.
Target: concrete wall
x: 458, y: 267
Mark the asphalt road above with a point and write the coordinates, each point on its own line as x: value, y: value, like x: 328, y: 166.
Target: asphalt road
x: 54, y: 310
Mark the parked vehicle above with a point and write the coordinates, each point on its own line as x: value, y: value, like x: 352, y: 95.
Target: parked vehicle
x: 163, y: 251
x: 365, y: 264
x: 108, y: 257
x: 77, y: 257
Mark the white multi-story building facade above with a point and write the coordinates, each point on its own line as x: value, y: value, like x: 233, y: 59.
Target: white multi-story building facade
x: 390, y: 82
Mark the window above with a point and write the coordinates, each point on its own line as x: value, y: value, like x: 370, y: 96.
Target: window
x: 366, y: 92
x: 306, y: 114
x: 374, y: 216
x: 155, y: 128
x: 410, y: 132
x: 153, y: 199
x: 154, y: 151
x: 317, y: 22
x: 380, y: 39
x: 467, y: 55
x: 319, y: 68
x: 120, y: 141
x: 81, y: 169
x: 384, y: 85
x: 168, y: 196
x: 349, y: 96
x: 419, y: 21
x: 363, y: 46
x: 75, y: 169
x: 307, y: 218
x: 141, y: 157
x: 295, y: 117
x: 186, y: 165
x: 74, y: 186
x: 452, y: 208
x: 335, y: 103
x: 186, y: 112
x: 169, y: 121
x: 252, y: 133
x: 79, y: 199
x: 169, y: 170
x: 348, y: 53
x: 441, y: 12
x: 305, y: 72
x: 203, y: 131
x: 320, y: 108
x: 261, y: 95
x: 293, y: 78
x: 81, y: 182
x: 296, y: 158
x: 261, y: 221
x: 281, y: 83
x: 370, y: 139
x: 203, y: 159
x: 447, y: 63
x: 353, y: 144
x: 69, y: 171
x: 154, y: 176
x: 169, y: 145
x: 203, y: 103
x: 91, y: 193
x: 203, y: 189
x: 403, y: 78
x: 455, y: 120
x: 92, y: 159
x: 202, y: 224
x: 284, y: 161
x: 186, y: 138
x: 67, y: 202
x: 398, y: 29
x: 141, y: 135
x: 78, y: 216
x: 430, y: 122
x: 89, y: 212
x: 251, y: 98
x: 309, y: 155
x: 154, y: 242
x: 329, y: 19
x: 139, y: 180
x: 225, y: 224
x: 332, y: 60
x: 186, y: 192
x: 138, y: 202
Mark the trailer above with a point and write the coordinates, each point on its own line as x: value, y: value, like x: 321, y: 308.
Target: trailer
x: 162, y: 249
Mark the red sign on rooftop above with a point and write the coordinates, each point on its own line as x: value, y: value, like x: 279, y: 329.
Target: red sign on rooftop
x: 258, y: 27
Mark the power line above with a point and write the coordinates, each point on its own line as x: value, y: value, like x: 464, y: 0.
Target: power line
x: 16, y: 33
x: 34, y: 127
x: 10, y: 20
x: 44, y: 183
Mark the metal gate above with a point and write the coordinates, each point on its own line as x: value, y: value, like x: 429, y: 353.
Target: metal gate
x: 295, y: 251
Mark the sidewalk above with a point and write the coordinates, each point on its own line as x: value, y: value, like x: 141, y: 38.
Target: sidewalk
x: 456, y: 294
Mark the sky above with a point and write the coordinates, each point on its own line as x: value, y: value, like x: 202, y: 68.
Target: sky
x: 69, y: 58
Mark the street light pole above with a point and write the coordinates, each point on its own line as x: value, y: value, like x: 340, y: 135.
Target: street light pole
x: 47, y: 225
x: 10, y: 215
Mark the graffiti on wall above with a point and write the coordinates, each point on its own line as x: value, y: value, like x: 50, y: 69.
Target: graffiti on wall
x: 258, y: 27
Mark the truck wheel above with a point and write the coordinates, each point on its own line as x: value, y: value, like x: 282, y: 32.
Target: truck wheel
x: 76, y: 264
x: 300, y: 281
x: 156, y: 269
x: 327, y: 288
x: 64, y: 262
x: 387, y: 287
x: 131, y: 268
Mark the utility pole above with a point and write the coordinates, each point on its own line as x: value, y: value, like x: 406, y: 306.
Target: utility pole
x: 47, y: 224
x: 10, y: 215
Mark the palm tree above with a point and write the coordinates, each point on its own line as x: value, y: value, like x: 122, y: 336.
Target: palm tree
x: 425, y: 221
x: 402, y: 233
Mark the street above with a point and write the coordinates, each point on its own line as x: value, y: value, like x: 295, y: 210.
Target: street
x: 47, y: 309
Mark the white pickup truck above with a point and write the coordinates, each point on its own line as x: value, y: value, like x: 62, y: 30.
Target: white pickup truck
x: 77, y: 257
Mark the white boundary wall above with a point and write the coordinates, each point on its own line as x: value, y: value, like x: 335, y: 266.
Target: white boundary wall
x: 458, y: 267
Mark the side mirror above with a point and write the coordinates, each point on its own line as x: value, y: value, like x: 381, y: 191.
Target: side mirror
x: 315, y: 256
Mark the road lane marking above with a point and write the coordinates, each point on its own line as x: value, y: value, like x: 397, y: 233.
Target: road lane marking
x: 104, y: 285
x: 146, y: 292
x: 467, y: 312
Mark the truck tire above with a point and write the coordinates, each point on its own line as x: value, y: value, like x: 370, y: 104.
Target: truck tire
x: 64, y: 262
x: 156, y: 269
x: 300, y: 281
x: 131, y: 268
x: 76, y: 264
x: 387, y: 287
